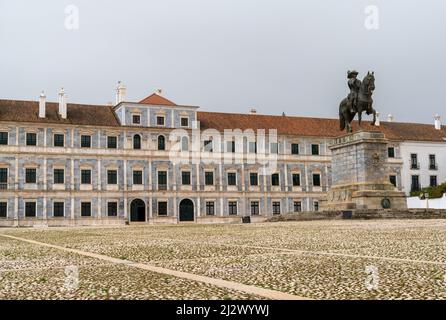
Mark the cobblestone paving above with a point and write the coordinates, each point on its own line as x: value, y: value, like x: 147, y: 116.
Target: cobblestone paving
x: 254, y: 255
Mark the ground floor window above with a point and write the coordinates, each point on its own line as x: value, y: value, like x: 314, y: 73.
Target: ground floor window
x: 433, y: 181
x: 162, y: 208
x: 254, y: 208
x: 112, y: 209
x: 316, y: 205
x: 30, y: 209
x: 297, y: 206
x: 276, y: 207
x: 3, y: 209
x: 210, y: 208
x: 58, y: 209
x: 232, y: 207
x: 86, y: 209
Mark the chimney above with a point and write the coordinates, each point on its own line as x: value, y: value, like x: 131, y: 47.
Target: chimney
x: 42, y: 105
x: 253, y: 111
x: 159, y: 91
x: 62, y: 104
x: 120, y: 92
x: 377, y: 121
x: 437, y: 122
x: 390, y: 118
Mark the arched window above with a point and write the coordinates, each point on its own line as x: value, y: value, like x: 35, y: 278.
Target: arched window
x: 137, y: 141
x: 161, y: 143
x: 184, y: 144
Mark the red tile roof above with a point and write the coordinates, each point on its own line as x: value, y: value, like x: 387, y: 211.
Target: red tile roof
x: 156, y: 99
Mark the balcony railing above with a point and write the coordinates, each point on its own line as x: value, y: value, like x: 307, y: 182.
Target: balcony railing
x: 433, y: 166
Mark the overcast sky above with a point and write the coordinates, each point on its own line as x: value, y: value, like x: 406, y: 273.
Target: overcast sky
x: 229, y: 55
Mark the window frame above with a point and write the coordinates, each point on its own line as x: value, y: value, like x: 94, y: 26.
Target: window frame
x: 57, y: 174
x: 57, y: 214
x: 32, y: 142
x: 83, y: 136
x: 112, y: 176
x: 30, y: 173
x: 56, y: 142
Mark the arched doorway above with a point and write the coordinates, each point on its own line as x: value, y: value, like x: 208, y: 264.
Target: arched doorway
x: 186, y: 210
x: 137, y: 211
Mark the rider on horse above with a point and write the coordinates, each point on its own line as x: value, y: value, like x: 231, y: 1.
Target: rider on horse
x: 355, y: 85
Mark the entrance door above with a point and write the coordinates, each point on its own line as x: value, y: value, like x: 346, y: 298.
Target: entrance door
x: 186, y: 210
x: 138, y: 211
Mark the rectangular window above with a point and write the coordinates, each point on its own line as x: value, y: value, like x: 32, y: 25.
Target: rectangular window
x: 136, y: 119
x: 391, y: 152
x: 3, y: 178
x: 58, y: 209
x: 210, y: 208
x: 415, y: 186
x: 432, y: 162
x: 112, y: 142
x: 253, y: 179
x: 137, y: 177
x: 59, y: 140
x: 85, y: 141
x: 112, y: 209
x: 316, y: 205
x: 294, y: 148
x: 162, y: 208
x: 112, y: 177
x: 296, y: 179
x: 31, y: 139
x: 208, y: 146
x: 162, y: 180
x: 30, y: 209
x: 230, y: 146
x: 3, y: 138
x: 276, y: 207
x: 160, y: 121
x: 86, y: 209
x: 85, y: 176
x: 30, y: 175
x: 209, y: 178
x: 316, y: 180
x: 232, y: 207
x: 433, y: 181
x: 232, y: 179
x: 414, y: 161
x: 297, y: 206
x: 275, y: 179
x: 59, y: 176
x: 274, y: 148
x: 315, y: 149
x: 252, y: 147
x: 254, y: 208
x: 185, y: 178
x: 3, y: 209
x: 392, y: 179
x: 185, y: 122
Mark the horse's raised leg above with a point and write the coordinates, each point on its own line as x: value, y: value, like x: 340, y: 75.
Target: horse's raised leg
x: 359, y: 117
x: 374, y: 117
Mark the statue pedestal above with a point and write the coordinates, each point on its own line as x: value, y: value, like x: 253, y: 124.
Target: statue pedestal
x: 360, y: 174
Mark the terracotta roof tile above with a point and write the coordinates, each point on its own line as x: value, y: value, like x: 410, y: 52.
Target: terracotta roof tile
x: 156, y: 99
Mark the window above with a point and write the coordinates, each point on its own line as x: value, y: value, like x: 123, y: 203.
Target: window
x: 3, y: 178
x: 112, y: 209
x: 30, y: 209
x: 391, y: 152
x: 136, y: 119
x: 3, y: 138
x: 31, y: 139
x: 85, y: 209
x: 30, y: 175
x: 185, y: 178
x: 112, y: 142
x: 274, y: 148
x: 276, y: 207
x: 415, y: 186
x: 3, y: 209
x: 297, y: 206
x: 162, y: 208
x: 162, y: 180
x: 59, y: 176
x: 184, y: 144
x: 316, y: 180
x: 161, y: 143
x: 136, y: 142
x: 112, y: 177
x: 85, y: 141
x: 254, y: 208
x: 160, y: 121
x: 252, y: 147
x: 232, y: 207
x: 58, y: 209
x: 296, y: 179
x: 294, y: 148
x: 414, y: 161
x: 433, y: 181
x: 315, y: 149
x: 432, y: 162
x: 316, y: 205
x: 137, y: 177
x: 185, y: 122
x: 59, y: 140
x: 275, y: 179
x: 208, y: 146
x: 230, y: 146
x: 253, y: 179
x: 210, y: 208
x: 86, y: 176
x: 232, y: 179
x: 392, y: 179
x: 209, y: 178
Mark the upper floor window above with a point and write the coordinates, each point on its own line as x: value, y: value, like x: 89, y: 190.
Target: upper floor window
x: 3, y: 178
x: 209, y: 178
x: 230, y: 146
x: 184, y: 144
x: 208, y: 146
x: 274, y: 148
x: 185, y: 178
x: 432, y: 162
x: 232, y: 178
x: 86, y: 176
x: 315, y: 149
x: 296, y: 179
x: 59, y: 176
x: 136, y: 119
x: 112, y: 177
x: 85, y: 141
x: 161, y: 143
x: 137, y: 177
x: 294, y: 148
x: 160, y: 120
x: 59, y: 140
x: 112, y: 142
x: 162, y: 180
x: 3, y: 138
x: 184, y: 122
x: 30, y: 175
x: 31, y: 139
x: 253, y: 179
x: 316, y: 180
x: 275, y: 179
x: 136, y: 142
x: 414, y: 161
x: 391, y: 152
x: 252, y: 147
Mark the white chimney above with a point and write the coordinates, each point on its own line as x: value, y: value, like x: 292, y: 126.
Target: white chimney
x: 120, y: 92
x: 437, y: 122
x: 62, y: 104
x: 390, y: 118
x: 42, y: 105
x: 377, y: 121
x: 253, y: 111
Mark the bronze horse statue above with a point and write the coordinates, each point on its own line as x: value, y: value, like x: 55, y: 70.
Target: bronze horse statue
x: 364, y: 103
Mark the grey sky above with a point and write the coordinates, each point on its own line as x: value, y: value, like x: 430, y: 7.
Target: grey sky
x: 229, y: 55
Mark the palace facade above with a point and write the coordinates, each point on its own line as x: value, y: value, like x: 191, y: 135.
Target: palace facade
x: 72, y: 164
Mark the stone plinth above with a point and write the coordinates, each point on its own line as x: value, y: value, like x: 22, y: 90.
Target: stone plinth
x: 360, y: 174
